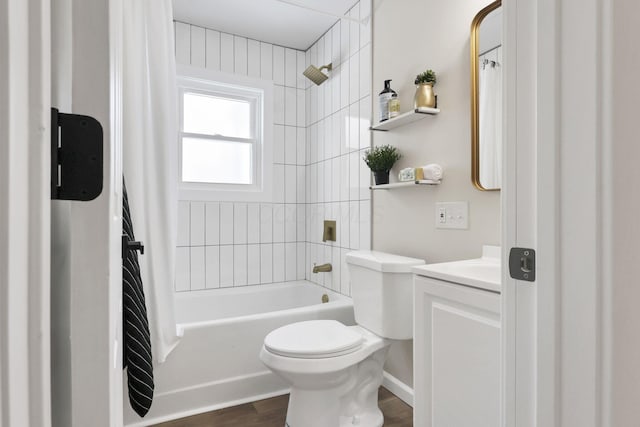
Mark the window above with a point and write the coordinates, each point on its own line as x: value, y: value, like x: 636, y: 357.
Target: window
x: 225, y: 124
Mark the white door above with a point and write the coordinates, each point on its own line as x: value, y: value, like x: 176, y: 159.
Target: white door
x: 530, y: 213
x: 86, y: 265
x: 570, y: 339
x: 519, y: 203
x: 24, y: 213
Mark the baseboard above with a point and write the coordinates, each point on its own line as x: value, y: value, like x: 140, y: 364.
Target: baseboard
x: 209, y: 408
x: 208, y: 397
x: 397, y: 387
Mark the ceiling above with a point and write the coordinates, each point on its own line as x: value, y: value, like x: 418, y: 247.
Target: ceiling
x: 270, y: 21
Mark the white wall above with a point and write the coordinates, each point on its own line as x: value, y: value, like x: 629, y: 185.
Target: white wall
x: 320, y: 133
x: 225, y: 244
x: 409, y: 37
x: 338, y: 118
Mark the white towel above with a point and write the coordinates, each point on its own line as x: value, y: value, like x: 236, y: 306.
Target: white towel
x: 432, y: 172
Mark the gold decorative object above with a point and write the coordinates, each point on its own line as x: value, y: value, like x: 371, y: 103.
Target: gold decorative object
x: 424, y: 96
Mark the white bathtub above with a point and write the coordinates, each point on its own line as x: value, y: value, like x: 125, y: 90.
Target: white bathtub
x: 216, y: 364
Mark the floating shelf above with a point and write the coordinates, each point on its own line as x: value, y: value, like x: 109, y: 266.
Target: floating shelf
x: 406, y: 118
x: 404, y: 184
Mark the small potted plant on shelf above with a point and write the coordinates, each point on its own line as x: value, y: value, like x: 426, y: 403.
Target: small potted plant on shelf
x: 424, y: 90
x: 380, y: 160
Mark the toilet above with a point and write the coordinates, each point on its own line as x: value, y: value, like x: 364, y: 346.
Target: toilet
x: 335, y: 370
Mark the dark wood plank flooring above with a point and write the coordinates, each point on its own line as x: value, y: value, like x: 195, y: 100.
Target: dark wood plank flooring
x: 272, y: 413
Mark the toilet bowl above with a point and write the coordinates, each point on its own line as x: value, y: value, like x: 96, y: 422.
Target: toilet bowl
x: 330, y: 385
x: 335, y: 370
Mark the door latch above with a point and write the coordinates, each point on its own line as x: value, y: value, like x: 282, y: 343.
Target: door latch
x: 522, y: 264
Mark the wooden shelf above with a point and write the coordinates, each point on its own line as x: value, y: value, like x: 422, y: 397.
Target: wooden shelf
x: 406, y: 118
x: 404, y: 184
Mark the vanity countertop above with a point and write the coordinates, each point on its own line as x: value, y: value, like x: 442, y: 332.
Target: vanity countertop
x: 482, y: 273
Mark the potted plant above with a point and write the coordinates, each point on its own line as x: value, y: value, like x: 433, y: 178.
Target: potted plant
x: 380, y: 160
x: 424, y: 90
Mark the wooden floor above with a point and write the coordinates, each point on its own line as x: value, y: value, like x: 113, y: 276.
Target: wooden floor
x: 272, y: 413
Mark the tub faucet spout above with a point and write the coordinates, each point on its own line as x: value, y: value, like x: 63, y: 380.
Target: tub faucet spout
x: 325, y: 268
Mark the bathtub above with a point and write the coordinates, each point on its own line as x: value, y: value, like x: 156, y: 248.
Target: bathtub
x: 216, y: 364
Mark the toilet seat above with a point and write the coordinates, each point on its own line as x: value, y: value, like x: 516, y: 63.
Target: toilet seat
x: 314, y: 339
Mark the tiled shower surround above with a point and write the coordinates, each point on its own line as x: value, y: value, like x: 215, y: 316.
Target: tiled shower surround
x: 320, y: 133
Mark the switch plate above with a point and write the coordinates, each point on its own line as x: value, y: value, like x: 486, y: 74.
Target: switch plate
x: 452, y: 215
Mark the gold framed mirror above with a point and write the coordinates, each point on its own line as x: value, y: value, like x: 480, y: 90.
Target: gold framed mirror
x: 486, y: 98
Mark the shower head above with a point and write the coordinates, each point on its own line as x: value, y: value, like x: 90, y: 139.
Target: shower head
x: 316, y: 75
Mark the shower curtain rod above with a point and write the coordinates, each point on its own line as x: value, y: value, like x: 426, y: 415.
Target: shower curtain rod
x: 323, y: 12
x: 489, y: 50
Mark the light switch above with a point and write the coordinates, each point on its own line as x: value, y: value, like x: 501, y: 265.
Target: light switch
x: 452, y: 215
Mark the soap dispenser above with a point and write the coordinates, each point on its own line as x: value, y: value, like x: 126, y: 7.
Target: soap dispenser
x: 385, y: 96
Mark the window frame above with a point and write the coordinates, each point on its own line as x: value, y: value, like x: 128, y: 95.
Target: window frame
x: 260, y: 95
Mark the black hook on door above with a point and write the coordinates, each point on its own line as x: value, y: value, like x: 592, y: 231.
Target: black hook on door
x: 131, y: 245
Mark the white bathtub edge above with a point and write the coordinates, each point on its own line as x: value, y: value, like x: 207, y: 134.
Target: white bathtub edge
x: 397, y: 387
x: 316, y: 308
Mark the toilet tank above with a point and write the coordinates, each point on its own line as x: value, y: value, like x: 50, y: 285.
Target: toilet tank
x: 382, y: 292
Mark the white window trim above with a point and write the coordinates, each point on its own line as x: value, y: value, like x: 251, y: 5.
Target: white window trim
x: 203, y: 80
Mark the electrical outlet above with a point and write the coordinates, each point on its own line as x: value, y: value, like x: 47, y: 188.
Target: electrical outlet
x: 452, y: 215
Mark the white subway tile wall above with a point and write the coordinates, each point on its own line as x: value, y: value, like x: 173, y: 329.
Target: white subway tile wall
x: 338, y: 119
x: 320, y: 134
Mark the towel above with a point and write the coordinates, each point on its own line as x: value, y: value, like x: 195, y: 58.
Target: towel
x: 137, y: 340
x: 432, y: 171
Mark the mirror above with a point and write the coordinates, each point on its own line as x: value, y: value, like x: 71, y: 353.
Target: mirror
x: 486, y: 98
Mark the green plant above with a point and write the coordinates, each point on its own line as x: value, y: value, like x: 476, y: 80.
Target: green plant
x: 428, y: 76
x: 382, y: 158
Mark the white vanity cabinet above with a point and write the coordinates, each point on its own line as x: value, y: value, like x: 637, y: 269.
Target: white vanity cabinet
x: 456, y: 353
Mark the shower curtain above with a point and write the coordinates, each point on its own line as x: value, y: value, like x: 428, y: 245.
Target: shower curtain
x: 149, y: 145
x: 490, y: 120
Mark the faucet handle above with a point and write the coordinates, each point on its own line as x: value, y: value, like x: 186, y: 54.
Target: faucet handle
x: 329, y: 231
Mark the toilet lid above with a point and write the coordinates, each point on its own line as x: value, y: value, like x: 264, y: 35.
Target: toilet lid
x: 313, y: 339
